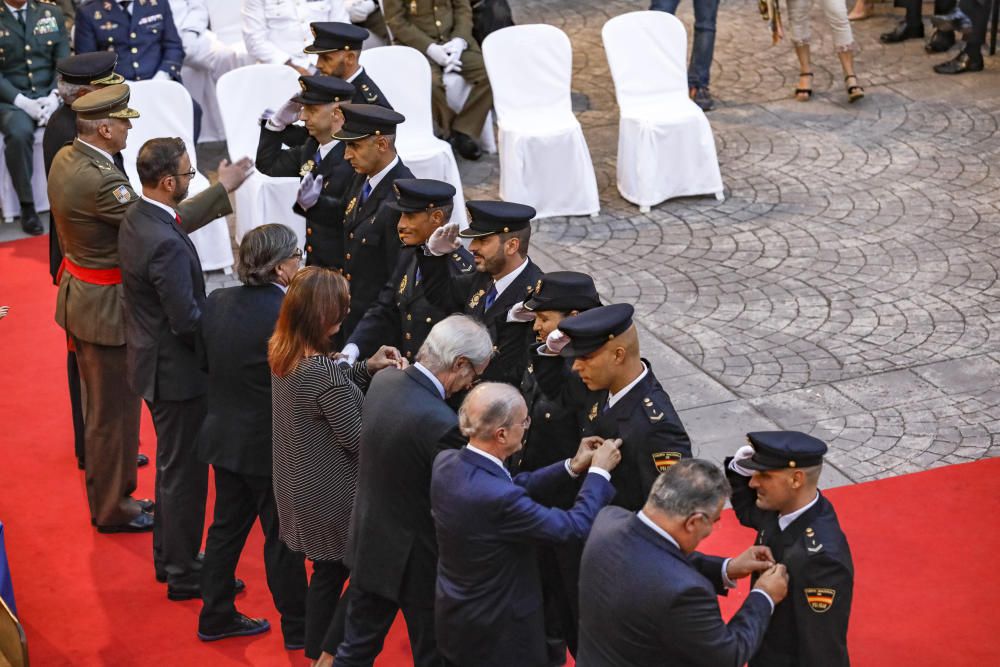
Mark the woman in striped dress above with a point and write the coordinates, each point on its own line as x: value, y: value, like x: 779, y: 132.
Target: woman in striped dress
x: 316, y: 408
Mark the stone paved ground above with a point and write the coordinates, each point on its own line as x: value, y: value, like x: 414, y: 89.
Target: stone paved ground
x: 848, y: 284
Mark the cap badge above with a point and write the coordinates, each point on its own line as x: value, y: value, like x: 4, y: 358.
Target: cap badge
x: 307, y: 167
x: 663, y: 460
x: 820, y: 599
x: 302, y: 84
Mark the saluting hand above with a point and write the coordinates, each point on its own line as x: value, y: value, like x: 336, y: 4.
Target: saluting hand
x: 232, y: 175
x: 755, y: 559
x: 443, y: 240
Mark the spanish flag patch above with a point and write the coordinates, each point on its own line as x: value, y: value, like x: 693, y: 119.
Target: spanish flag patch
x: 820, y: 599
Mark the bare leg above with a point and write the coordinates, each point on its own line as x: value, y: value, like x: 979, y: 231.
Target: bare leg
x: 860, y: 11
x: 804, y: 91
x: 850, y: 79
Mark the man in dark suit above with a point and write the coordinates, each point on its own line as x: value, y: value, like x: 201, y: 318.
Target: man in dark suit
x: 164, y: 294
x: 391, y: 549
x: 371, y: 248
x: 403, y: 315
x: 338, y: 46
x: 647, y: 598
x: 236, y: 439
x: 488, y: 607
x: 774, y: 481
x: 318, y: 159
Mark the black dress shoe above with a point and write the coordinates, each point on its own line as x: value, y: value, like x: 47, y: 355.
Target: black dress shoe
x: 30, y: 222
x: 240, y: 626
x: 960, y: 64
x: 465, y: 146
x: 901, y: 33
x: 146, y: 505
x: 140, y: 524
x: 193, y: 591
x: 957, y: 20
x: 703, y: 98
x: 940, y: 41
x: 141, y: 460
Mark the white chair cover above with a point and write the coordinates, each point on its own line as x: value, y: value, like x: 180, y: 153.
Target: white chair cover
x: 166, y: 111
x: 225, y: 17
x: 404, y: 75
x: 9, y: 202
x: 665, y: 144
x: 544, y: 159
x: 243, y: 95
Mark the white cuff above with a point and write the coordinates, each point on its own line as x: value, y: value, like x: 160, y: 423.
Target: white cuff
x: 740, y: 470
x: 351, y: 351
x: 570, y: 469
x: 726, y: 581
x: 769, y: 600
x: 544, y: 351
x: 599, y: 471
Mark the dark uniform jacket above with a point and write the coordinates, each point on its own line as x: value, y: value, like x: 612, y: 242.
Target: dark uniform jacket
x: 89, y: 197
x: 809, y: 626
x: 235, y: 327
x: 488, y: 606
x: 644, y: 603
x: 146, y: 42
x: 365, y: 90
x: 391, y: 549
x: 164, y: 294
x: 325, y: 220
x: 28, y: 53
x: 371, y: 248
x: 403, y: 316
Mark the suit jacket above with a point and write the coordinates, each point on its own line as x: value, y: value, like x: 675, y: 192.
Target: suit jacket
x: 365, y: 90
x: 391, y: 549
x: 325, y: 219
x: 810, y: 625
x: 89, y: 197
x: 488, y: 604
x: 164, y: 294
x: 372, y: 246
x: 403, y: 315
x: 28, y: 53
x: 235, y: 326
x: 643, y: 603
x: 146, y: 42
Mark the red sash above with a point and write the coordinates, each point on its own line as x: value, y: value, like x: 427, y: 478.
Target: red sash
x: 112, y: 276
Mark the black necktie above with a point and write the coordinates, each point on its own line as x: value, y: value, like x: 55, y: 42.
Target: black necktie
x: 125, y: 5
x: 119, y: 162
x: 20, y: 16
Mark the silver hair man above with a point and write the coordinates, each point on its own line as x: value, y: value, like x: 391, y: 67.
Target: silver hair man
x: 456, y: 352
x: 690, y: 486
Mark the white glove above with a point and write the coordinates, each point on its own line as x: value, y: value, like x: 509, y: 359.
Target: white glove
x: 518, y: 313
x: 49, y: 105
x: 350, y: 354
x: 162, y: 76
x: 455, y: 46
x: 454, y: 65
x: 556, y: 341
x: 437, y: 53
x: 309, y: 191
x: 31, y: 107
x: 360, y: 9
x: 285, y: 116
x: 444, y: 240
x: 744, y: 453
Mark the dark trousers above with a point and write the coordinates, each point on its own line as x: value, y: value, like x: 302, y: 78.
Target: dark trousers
x: 914, y: 10
x: 567, y: 557
x: 472, y: 117
x: 111, y: 439
x: 181, y: 489
x: 369, y: 618
x: 978, y: 12
x: 324, y: 625
x: 19, y: 150
x: 76, y: 406
x: 239, y: 501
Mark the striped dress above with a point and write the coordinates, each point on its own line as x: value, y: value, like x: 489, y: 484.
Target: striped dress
x: 317, y: 428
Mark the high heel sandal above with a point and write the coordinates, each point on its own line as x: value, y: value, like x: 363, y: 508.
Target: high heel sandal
x: 854, y: 93
x: 808, y: 92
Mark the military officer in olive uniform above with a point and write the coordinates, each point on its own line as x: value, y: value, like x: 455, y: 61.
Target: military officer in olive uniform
x: 89, y: 196
x: 32, y: 38
x: 371, y: 248
x: 403, y: 316
x: 337, y: 47
x: 442, y: 30
x: 775, y: 480
x: 318, y: 159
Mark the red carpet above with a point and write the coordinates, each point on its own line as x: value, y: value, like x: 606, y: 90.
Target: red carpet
x: 925, y: 546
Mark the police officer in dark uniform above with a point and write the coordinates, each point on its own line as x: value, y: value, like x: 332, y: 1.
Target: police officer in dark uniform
x: 32, y: 38
x: 338, y: 46
x: 774, y: 481
x: 371, y: 248
x: 318, y: 160
x: 403, y: 316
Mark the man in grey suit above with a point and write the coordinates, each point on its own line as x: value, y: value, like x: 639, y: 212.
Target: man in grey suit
x: 391, y: 550
x: 164, y: 293
x: 647, y: 598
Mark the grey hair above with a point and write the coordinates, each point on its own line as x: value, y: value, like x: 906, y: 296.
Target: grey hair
x: 454, y: 337
x: 500, y: 402
x: 261, y: 250
x: 690, y: 486
x: 88, y: 128
x: 69, y: 92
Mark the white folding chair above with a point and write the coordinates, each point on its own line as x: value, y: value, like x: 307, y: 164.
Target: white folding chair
x: 9, y: 202
x: 404, y: 75
x: 243, y: 95
x: 544, y: 159
x: 166, y: 111
x: 665, y: 144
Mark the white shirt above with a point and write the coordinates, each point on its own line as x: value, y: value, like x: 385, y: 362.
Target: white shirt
x: 283, y: 288
x: 326, y: 148
x: 373, y: 181
x: 499, y: 463
x: 504, y: 283
x: 13, y: 10
x: 276, y: 31
x: 433, y: 378
x: 786, y: 520
x: 172, y: 212
x: 92, y: 146
x: 620, y: 394
x: 354, y: 76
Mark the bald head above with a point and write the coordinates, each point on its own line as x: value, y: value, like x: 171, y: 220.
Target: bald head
x: 492, y: 417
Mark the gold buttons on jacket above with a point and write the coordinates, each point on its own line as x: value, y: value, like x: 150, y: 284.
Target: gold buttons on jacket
x: 347, y: 275
x: 309, y: 248
x: 347, y: 256
x: 351, y: 235
x: 407, y: 336
x: 409, y: 316
x: 429, y: 320
x: 309, y: 231
x: 135, y: 50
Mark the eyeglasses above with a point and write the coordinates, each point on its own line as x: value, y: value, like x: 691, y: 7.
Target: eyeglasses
x: 297, y: 255
x: 189, y: 174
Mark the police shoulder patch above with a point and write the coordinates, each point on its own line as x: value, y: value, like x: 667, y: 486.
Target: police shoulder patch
x: 122, y: 194
x: 663, y: 460
x: 820, y: 600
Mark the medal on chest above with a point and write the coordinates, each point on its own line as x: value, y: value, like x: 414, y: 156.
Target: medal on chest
x: 350, y: 206
x: 402, y: 284
x: 307, y: 167
x: 474, y: 301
